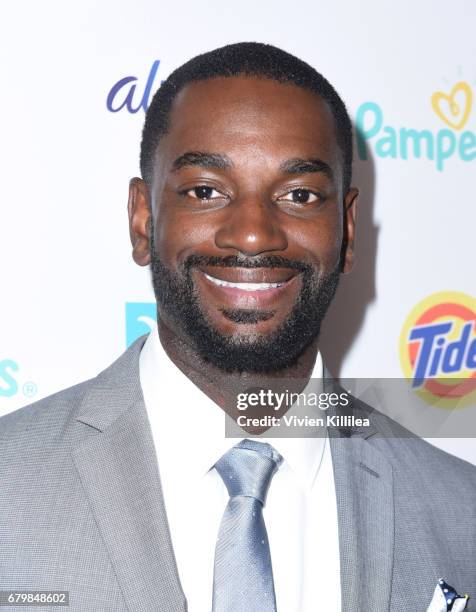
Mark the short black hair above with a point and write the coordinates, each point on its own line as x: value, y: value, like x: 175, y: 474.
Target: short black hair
x: 243, y: 59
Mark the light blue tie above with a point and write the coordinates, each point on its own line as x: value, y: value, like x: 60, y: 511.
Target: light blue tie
x: 243, y: 576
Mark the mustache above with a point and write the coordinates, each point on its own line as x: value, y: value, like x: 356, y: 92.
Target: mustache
x: 235, y: 261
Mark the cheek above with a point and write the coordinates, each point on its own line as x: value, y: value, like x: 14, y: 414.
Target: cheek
x: 179, y: 234
x: 322, y: 239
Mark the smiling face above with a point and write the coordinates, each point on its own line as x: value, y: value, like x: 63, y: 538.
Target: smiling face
x: 248, y: 220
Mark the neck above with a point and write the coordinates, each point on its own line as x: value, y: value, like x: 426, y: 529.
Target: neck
x: 223, y: 387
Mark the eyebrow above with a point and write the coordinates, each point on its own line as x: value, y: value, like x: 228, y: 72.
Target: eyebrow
x: 206, y: 160
x: 296, y: 165
x: 299, y: 165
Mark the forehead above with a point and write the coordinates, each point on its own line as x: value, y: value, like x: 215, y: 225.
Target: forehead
x: 233, y: 114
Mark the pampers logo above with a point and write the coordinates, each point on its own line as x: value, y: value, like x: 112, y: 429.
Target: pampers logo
x: 453, y: 109
x: 140, y: 319
x: 9, y: 381
x: 438, y: 348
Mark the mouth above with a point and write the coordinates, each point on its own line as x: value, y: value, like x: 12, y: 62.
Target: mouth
x: 249, y: 288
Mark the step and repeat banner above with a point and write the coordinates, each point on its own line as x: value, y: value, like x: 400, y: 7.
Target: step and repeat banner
x: 77, y: 78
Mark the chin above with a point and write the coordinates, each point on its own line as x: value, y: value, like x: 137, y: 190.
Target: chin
x: 247, y: 332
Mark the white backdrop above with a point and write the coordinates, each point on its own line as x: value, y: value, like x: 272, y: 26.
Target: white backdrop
x: 407, y: 72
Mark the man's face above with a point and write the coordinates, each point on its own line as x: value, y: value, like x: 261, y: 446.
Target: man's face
x: 248, y: 220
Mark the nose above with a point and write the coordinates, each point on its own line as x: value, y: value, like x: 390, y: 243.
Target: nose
x: 251, y: 228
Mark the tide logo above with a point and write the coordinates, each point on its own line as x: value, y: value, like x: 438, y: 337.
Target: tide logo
x: 140, y: 319
x: 452, y: 108
x: 438, y: 348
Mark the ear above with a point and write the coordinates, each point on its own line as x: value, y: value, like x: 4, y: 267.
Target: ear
x: 140, y: 218
x: 350, y: 204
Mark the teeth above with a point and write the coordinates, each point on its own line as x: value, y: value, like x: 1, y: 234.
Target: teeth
x: 243, y: 286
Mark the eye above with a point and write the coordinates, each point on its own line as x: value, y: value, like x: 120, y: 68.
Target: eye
x: 202, y: 192
x: 301, y: 196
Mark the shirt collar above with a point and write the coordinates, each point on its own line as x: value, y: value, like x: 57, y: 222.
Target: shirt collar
x: 179, y: 411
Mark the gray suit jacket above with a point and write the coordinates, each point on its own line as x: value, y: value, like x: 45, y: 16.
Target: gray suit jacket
x: 81, y: 507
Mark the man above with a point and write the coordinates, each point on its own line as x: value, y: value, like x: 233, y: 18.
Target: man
x: 246, y: 215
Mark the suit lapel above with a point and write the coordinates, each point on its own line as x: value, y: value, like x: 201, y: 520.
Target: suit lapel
x: 365, y: 505
x: 364, y: 492
x: 117, y: 465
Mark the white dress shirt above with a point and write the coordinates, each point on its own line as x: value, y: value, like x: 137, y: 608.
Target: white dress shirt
x: 188, y: 429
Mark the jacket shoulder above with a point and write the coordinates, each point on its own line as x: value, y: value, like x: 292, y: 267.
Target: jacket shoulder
x: 52, y: 413
x: 420, y: 461
x: 45, y: 415
x: 50, y: 422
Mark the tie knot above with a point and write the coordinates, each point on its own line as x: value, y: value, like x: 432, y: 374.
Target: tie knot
x: 247, y: 469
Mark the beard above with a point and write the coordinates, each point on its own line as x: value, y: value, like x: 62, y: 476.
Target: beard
x: 252, y: 353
